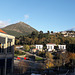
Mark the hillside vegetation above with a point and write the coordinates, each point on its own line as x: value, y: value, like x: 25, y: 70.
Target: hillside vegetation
x: 44, y: 38
x: 19, y: 29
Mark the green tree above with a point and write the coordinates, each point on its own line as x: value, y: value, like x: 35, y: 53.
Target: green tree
x: 17, y: 41
x: 51, y: 31
x: 48, y: 32
x: 62, y: 59
x: 40, y: 36
x: 34, y: 34
x: 26, y: 47
x: 49, y: 60
x: 22, y: 66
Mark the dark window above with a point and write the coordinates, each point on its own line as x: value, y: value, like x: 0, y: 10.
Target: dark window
x: 1, y: 48
x: 2, y: 63
x: 9, y: 65
x: 9, y: 47
x: 2, y: 40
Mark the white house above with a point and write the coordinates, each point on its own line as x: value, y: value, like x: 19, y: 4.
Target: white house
x: 39, y: 47
x: 18, y: 47
x: 50, y: 46
x: 63, y: 47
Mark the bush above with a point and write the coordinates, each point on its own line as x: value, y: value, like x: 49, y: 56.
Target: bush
x: 41, y: 54
x: 17, y: 53
x: 38, y: 58
x: 26, y: 47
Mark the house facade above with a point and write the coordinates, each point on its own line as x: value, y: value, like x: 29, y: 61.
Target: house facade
x: 62, y: 47
x: 51, y: 47
x: 39, y: 47
x: 6, y: 53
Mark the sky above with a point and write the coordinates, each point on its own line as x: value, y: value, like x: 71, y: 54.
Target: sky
x: 45, y: 15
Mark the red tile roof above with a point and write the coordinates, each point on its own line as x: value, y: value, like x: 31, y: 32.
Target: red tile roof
x: 1, y: 31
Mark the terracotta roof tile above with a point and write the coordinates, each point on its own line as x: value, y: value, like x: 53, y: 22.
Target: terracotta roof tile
x: 1, y: 31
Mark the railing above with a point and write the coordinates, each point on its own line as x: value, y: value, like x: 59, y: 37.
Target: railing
x: 9, y: 50
x: 2, y: 50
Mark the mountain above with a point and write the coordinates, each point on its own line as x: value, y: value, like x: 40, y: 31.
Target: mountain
x: 72, y: 29
x: 19, y: 29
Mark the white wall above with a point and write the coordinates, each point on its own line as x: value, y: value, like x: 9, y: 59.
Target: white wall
x: 50, y: 47
x: 39, y: 47
x: 62, y: 46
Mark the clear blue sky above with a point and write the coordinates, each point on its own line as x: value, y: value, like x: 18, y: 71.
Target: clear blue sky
x: 56, y: 15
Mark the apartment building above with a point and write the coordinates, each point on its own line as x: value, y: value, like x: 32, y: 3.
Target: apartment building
x: 6, y: 53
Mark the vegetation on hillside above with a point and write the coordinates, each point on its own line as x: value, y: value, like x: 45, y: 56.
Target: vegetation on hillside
x: 18, y: 52
x: 44, y: 38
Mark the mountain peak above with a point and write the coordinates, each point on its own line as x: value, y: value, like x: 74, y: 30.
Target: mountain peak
x: 20, y: 22
x: 19, y: 29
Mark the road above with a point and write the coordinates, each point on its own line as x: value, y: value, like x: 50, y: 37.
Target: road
x: 31, y: 54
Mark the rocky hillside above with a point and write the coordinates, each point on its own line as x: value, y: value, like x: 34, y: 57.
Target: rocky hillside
x: 19, y: 29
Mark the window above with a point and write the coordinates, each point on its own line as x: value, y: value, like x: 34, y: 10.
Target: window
x: 48, y: 47
x: 9, y: 47
x: 1, y: 48
x: 51, y: 47
x: 60, y: 47
x: 39, y: 47
x: 63, y: 47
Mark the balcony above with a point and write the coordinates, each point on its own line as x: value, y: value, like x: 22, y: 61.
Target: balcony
x: 6, y: 53
x: 9, y: 50
x: 2, y: 51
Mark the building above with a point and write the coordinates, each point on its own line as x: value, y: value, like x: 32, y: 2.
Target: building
x: 51, y: 47
x: 19, y: 47
x: 33, y: 50
x: 72, y: 35
x: 39, y: 47
x: 68, y: 33
x: 6, y: 53
x: 63, y: 32
x: 62, y: 47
